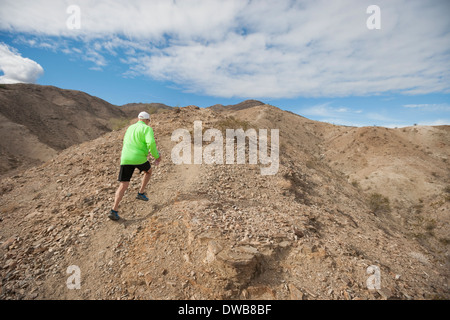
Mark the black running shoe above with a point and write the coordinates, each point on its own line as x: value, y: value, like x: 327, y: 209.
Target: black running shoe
x: 141, y: 196
x: 113, y: 215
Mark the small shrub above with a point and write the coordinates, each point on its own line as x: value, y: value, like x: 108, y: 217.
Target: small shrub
x: 430, y: 226
x: 233, y: 123
x: 299, y: 187
x: 418, y: 208
x: 379, y: 203
x: 119, y: 123
x: 355, y: 184
x: 310, y: 164
x: 152, y: 109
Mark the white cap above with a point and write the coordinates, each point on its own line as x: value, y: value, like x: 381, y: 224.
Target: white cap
x: 144, y: 115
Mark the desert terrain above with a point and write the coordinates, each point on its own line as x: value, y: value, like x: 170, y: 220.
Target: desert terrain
x: 343, y: 199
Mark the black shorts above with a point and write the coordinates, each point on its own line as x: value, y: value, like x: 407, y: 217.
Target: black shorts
x: 126, y: 170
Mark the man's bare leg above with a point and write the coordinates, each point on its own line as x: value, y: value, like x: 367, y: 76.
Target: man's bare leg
x: 119, y: 194
x: 145, y: 180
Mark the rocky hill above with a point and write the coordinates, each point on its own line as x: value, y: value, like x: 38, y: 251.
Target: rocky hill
x: 40, y: 121
x: 236, y: 107
x: 132, y: 109
x: 343, y: 199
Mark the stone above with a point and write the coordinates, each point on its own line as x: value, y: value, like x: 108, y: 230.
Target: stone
x: 294, y: 293
x: 32, y: 215
x: 8, y: 242
x: 213, y: 249
x: 10, y: 264
x: 385, y: 293
x: 240, y: 266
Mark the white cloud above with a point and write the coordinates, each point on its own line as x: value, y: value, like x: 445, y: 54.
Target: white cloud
x: 439, y: 107
x: 416, y: 105
x: 320, y: 110
x: 341, y: 115
x: 260, y: 49
x: 17, y: 69
x: 343, y: 122
x: 95, y: 57
x: 438, y: 122
x: 141, y: 19
x: 379, y: 117
x: 327, y: 110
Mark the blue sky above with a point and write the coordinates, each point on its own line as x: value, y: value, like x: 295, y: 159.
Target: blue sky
x: 318, y: 58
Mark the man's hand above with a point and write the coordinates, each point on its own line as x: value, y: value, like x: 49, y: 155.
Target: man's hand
x: 157, y: 161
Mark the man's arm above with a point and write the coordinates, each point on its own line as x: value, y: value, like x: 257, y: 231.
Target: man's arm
x: 151, y: 143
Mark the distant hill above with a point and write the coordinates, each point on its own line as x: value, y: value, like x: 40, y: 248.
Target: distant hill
x: 40, y: 120
x: 132, y: 109
x: 236, y: 107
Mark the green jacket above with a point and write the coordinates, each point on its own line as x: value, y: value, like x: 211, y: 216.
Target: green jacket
x: 137, y: 142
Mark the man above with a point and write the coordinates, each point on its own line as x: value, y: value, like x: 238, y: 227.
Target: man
x: 138, y: 141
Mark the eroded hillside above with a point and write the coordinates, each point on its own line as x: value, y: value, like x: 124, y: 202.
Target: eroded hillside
x: 221, y: 231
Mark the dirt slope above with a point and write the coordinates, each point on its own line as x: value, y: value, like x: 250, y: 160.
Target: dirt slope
x: 409, y: 166
x: 221, y: 231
